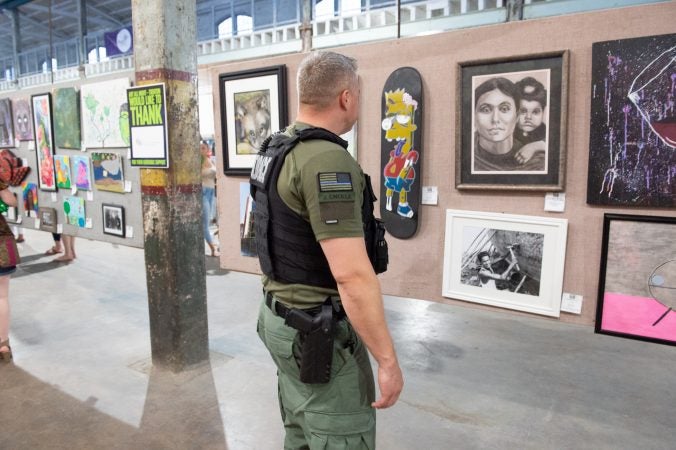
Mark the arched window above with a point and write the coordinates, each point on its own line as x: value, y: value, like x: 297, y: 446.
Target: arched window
x: 244, y: 24
x: 94, y: 57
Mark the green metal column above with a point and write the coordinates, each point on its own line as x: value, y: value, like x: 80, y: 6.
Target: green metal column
x: 165, y: 51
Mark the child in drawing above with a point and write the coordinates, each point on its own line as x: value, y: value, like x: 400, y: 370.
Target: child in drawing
x: 530, y: 127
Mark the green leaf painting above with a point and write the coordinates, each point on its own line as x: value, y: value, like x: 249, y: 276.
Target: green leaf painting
x: 67, y: 118
x: 104, y: 105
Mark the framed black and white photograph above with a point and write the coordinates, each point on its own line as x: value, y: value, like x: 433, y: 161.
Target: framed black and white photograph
x: 48, y: 219
x: 512, y: 122
x: 253, y: 106
x: 113, y: 220
x: 505, y: 260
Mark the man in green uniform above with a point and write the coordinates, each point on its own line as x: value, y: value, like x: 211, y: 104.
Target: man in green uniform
x: 310, y: 238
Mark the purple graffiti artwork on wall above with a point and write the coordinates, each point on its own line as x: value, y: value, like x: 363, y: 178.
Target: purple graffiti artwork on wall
x: 632, y: 144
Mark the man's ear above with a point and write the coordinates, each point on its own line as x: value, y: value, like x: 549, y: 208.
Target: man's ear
x: 344, y: 98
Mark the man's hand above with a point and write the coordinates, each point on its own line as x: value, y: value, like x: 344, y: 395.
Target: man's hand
x: 390, y: 382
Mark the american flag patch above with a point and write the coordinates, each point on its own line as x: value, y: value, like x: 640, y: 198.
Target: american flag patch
x: 335, y: 181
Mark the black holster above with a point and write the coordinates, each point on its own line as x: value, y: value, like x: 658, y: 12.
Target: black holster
x: 316, y: 339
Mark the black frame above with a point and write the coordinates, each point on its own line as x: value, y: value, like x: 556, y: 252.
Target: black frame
x: 110, y: 231
x: 280, y: 72
x: 607, y: 221
x: 554, y: 179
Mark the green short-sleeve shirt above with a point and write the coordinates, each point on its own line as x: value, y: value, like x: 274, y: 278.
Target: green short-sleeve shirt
x: 322, y: 183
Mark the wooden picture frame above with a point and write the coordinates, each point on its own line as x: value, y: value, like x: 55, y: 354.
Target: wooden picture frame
x: 502, y: 145
x: 113, y: 219
x: 637, y: 278
x: 253, y: 106
x: 44, y: 140
x: 49, y: 220
x: 505, y: 260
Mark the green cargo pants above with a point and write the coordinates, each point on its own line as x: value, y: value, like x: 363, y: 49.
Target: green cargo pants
x: 332, y: 416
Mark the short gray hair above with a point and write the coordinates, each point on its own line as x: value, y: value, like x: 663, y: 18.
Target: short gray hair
x: 323, y: 75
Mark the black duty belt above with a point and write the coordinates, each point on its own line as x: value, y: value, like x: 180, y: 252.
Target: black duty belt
x: 282, y: 311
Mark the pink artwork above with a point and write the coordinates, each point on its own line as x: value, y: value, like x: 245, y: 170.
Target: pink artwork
x: 638, y: 316
x: 81, y: 176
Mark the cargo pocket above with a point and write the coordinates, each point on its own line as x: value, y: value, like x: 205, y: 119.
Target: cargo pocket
x: 344, y: 431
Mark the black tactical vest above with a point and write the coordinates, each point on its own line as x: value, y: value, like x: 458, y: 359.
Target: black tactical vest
x: 287, y: 248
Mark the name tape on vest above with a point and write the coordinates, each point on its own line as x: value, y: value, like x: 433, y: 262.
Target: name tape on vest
x: 260, y: 168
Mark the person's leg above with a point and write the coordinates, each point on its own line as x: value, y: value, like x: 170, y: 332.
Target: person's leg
x: 57, y: 247
x: 69, y: 246
x: 4, y: 313
x: 207, y: 201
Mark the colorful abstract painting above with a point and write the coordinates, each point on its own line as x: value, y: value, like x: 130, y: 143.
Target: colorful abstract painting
x: 632, y: 143
x: 108, y: 173
x: 62, y: 168
x: 6, y: 123
x: 81, y: 176
x: 105, y: 114
x: 23, y: 125
x: 67, y: 118
x: 30, y: 197
x: 74, y: 208
x: 44, y: 145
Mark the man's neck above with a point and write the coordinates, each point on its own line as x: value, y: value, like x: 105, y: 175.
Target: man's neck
x: 322, y: 119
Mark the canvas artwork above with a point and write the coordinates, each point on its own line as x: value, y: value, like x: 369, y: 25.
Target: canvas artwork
x: 81, y: 175
x: 105, y: 114
x: 62, y: 168
x: 6, y: 123
x: 44, y: 145
x: 246, y: 212
x: 107, y: 169
x: 30, y: 198
x: 632, y: 142
x: 74, y: 208
x: 67, y: 118
x: 637, y: 282
x: 23, y: 125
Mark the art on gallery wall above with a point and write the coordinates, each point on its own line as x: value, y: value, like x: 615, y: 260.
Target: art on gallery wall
x: 30, y: 198
x: 44, y: 145
x: 74, y: 209
x: 511, y: 120
x: 108, y: 173
x: 67, y: 118
x: 400, y: 150
x: 632, y: 137
x: 247, y: 234
x: 253, y: 106
x: 504, y: 260
x: 6, y: 123
x: 637, y: 281
x: 105, y: 114
x: 48, y: 219
x: 62, y: 168
x: 80, y: 173
x: 23, y: 123
x: 113, y: 220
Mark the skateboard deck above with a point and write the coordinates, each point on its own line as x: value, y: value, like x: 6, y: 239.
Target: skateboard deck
x: 400, y: 152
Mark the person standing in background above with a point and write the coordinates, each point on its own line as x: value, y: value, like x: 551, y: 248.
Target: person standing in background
x: 208, y: 193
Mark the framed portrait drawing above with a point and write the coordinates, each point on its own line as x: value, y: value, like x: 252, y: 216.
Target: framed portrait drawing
x: 632, y: 137
x: 505, y: 260
x: 113, y: 220
x: 48, y: 219
x: 637, y: 281
x: 253, y: 106
x: 44, y: 140
x: 511, y: 123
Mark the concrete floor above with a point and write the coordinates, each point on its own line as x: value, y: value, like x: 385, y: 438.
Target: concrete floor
x: 82, y: 377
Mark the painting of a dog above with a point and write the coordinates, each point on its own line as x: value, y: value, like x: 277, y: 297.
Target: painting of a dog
x: 252, y: 120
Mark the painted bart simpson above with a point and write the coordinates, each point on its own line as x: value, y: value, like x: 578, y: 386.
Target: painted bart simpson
x: 399, y: 126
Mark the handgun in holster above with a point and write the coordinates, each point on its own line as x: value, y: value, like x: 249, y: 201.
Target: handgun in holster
x: 316, y: 338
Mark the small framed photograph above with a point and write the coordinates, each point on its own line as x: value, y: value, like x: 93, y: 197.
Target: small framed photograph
x: 6, y: 124
x: 44, y: 140
x: 253, y: 106
x: 637, y: 280
x: 48, y: 219
x: 511, y: 123
x: 505, y: 260
x: 113, y: 220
